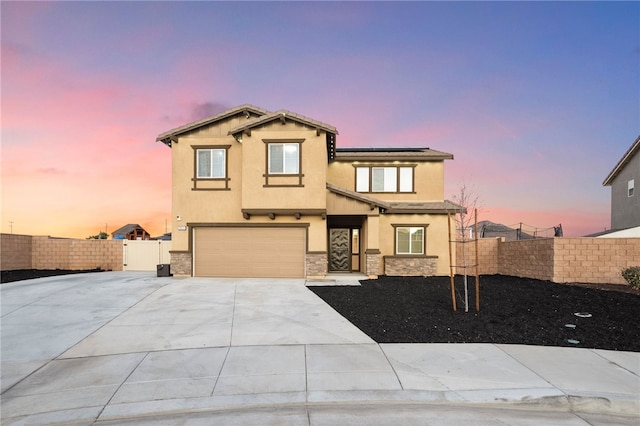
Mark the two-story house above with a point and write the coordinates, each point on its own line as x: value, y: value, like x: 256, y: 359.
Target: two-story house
x: 268, y: 194
x: 624, y: 180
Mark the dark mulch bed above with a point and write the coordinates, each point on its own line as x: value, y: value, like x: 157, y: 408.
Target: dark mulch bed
x: 512, y: 311
x: 28, y: 274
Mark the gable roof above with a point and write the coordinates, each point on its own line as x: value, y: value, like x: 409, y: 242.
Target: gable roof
x: 390, y: 154
x: 433, y: 207
x: 635, y: 148
x: 357, y: 196
x: 283, y: 115
x: 169, y: 136
x: 406, y: 207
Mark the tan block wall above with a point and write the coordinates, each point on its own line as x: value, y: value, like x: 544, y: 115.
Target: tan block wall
x: 90, y: 254
x: 50, y: 253
x: 533, y: 259
x: 42, y: 252
x: 582, y: 260
x: 63, y: 253
x: 487, y: 256
x: 407, y: 266
x: 16, y: 252
x: 594, y: 260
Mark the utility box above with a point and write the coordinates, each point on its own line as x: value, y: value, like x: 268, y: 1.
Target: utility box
x: 164, y: 270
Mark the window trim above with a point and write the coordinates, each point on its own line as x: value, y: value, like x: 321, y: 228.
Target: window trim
x: 396, y: 227
x: 269, y: 176
x: 398, y: 168
x: 195, y: 179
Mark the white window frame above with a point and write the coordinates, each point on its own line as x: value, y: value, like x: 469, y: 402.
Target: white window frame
x: 412, y: 230
x: 385, y: 179
x: 405, y: 177
x: 362, y: 179
x: 630, y: 188
x: 290, y: 164
x: 389, y: 179
x: 217, y: 169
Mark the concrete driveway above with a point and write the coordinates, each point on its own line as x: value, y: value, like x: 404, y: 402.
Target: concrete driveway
x: 123, y: 347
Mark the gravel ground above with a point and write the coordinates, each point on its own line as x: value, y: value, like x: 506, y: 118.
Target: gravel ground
x: 512, y: 311
x: 29, y: 274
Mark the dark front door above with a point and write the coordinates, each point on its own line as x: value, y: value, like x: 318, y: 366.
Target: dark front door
x: 339, y: 253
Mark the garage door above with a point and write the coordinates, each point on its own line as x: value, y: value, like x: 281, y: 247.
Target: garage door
x: 249, y: 252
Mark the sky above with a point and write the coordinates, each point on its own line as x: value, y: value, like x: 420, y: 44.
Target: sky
x: 537, y: 101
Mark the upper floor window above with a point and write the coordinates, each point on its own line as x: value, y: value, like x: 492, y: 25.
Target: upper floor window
x: 284, y: 158
x: 211, y: 163
x: 283, y: 162
x: 210, y: 167
x: 630, y: 188
x: 410, y: 239
x: 384, y: 179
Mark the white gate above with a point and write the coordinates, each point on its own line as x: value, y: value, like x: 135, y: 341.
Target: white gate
x: 145, y: 255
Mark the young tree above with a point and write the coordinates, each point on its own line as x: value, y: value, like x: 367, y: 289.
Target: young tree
x: 468, y: 199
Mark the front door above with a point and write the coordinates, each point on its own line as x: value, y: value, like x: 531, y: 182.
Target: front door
x: 339, y: 253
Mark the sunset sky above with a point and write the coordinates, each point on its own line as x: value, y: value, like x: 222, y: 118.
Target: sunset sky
x: 537, y: 101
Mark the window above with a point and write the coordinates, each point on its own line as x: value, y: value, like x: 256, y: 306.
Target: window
x: 284, y: 158
x: 410, y: 240
x: 211, y: 163
x: 362, y: 179
x: 630, y: 188
x: 384, y: 179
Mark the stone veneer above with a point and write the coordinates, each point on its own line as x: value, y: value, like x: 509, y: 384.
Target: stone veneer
x: 181, y: 262
x: 373, y: 263
x: 406, y: 266
x: 316, y: 264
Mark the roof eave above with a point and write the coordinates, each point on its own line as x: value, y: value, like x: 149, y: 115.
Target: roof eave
x: 392, y: 158
x: 357, y: 196
x: 283, y: 115
x: 170, y: 136
x: 635, y: 147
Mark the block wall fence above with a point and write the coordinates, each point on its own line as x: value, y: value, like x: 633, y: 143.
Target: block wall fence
x: 585, y: 260
x: 43, y: 252
x: 561, y: 260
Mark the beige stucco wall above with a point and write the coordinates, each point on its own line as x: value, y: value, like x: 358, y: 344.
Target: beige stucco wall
x: 428, y: 179
x: 246, y: 166
x: 195, y: 206
x: 313, y: 166
x: 436, y: 236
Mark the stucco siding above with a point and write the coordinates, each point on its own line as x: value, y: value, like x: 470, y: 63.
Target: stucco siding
x: 428, y: 179
x: 625, y: 210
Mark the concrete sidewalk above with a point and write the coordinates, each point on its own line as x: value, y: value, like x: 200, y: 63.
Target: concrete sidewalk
x: 123, y: 347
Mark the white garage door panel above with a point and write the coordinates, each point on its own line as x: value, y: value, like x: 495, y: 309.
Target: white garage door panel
x: 249, y: 252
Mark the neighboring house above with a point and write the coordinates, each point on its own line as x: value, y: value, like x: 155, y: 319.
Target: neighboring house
x: 268, y: 194
x: 132, y: 231
x: 163, y: 237
x: 624, y: 181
